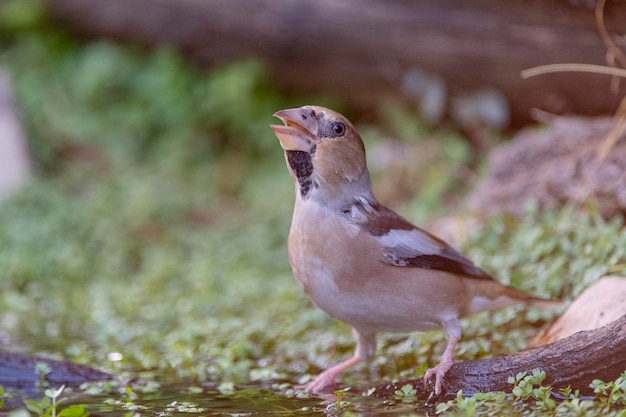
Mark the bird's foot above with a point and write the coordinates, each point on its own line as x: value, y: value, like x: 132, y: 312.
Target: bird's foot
x: 453, y: 331
x: 327, y: 378
x: 439, y: 372
x: 320, y: 384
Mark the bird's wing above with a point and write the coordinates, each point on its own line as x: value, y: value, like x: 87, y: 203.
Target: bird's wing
x: 406, y: 245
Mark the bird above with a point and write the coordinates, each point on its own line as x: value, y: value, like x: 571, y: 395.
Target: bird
x: 364, y: 264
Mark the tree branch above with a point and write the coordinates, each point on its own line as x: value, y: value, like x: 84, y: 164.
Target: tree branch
x: 574, y: 361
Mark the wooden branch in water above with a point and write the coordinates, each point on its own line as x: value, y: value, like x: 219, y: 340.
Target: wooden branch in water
x: 19, y: 371
x: 574, y: 361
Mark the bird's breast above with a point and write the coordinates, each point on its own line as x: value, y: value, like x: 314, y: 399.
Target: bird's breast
x: 340, y: 269
x: 319, y: 251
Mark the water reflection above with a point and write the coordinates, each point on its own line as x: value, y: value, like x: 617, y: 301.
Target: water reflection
x: 178, y: 400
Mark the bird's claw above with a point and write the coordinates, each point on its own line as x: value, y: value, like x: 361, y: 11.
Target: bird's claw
x: 439, y: 372
x: 318, y: 385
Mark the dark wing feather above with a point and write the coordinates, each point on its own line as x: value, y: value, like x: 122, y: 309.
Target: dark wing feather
x: 406, y: 245
x: 448, y: 260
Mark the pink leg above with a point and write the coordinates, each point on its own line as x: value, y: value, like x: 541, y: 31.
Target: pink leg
x: 327, y: 377
x: 365, y: 348
x: 453, y: 334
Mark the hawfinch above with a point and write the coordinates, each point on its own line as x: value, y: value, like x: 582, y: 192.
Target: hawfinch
x: 361, y: 262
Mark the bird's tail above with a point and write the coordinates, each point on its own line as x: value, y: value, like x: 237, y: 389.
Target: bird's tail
x: 492, y: 295
x: 544, y: 303
x: 531, y: 300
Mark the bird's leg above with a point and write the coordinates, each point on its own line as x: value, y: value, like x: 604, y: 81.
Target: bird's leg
x: 453, y: 334
x: 365, y: 348
x: 327, y: 377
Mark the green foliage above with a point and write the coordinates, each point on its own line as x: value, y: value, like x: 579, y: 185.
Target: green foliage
x: 339, y: 405
x: 20, y: 16
x: 183, y: 407
x: 42, y: 369
x: 529, y: 397
x: 111, y: 105
x: 612, y: 393
x: 552, y: 254
x: 524, y: 384
x: 406, y: 394
x: 131, y: 240
x: 48, y: 405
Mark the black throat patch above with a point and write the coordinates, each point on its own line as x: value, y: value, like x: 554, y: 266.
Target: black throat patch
x: 301, y: 164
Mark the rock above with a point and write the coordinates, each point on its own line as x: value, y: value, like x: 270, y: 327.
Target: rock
x: 553, y: 166
x: 600, y: 304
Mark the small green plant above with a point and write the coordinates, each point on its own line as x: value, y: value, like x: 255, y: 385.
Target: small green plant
x: 42, y: 369
x: 98, y: 388
x: 529, y: 396
x: 339, y: 405
x: 525, y: 385
x: 406, y: 394
x: 48, y: 405
x: 226, y: 388
x: 471, y: 405
x: 182, y: 407
x: 612, y: 393
x: 126, y: 400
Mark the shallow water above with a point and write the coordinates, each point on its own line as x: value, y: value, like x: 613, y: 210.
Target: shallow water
x: 253, y: 401
x: 177, y: 400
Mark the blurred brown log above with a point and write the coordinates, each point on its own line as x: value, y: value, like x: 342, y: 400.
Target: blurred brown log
x: 362, y: 50
x: 21, y: 380
x: 18, y: 370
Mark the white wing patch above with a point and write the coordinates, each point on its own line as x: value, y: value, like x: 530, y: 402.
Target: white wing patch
x: 402, y: 244
x: 407, y: 245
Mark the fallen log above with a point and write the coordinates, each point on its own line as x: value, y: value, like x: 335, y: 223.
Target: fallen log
x: 574, y: 361
x: 367, y: 50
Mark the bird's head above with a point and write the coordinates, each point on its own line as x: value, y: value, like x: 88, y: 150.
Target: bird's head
x: 324, y: 153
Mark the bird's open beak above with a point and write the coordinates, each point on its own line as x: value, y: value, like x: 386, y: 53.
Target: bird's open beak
x: 297, y: 134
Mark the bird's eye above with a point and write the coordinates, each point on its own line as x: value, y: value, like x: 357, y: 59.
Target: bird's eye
x: 339, y: 129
